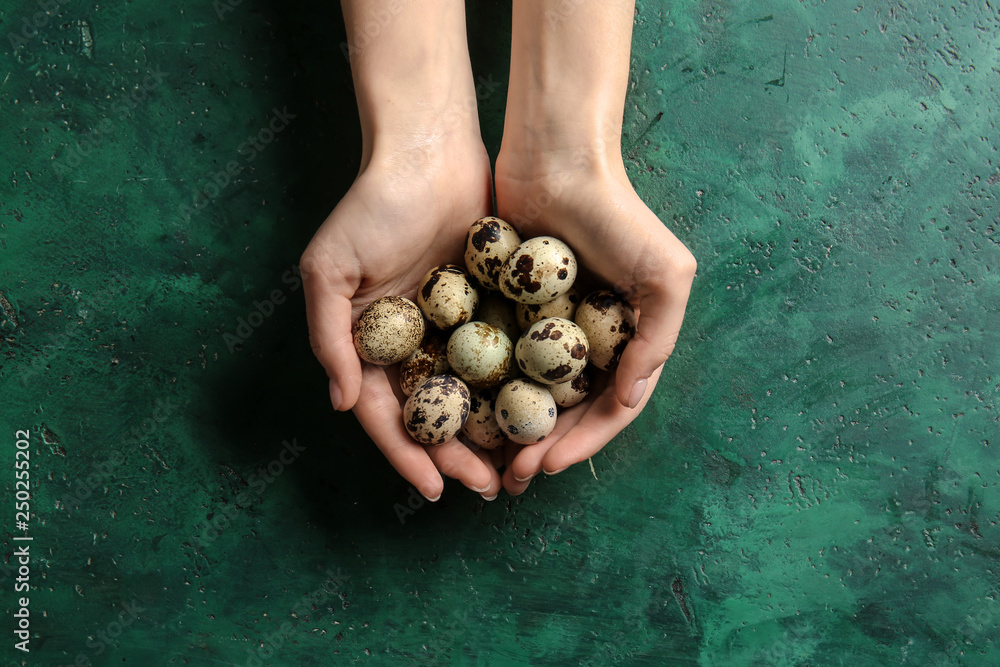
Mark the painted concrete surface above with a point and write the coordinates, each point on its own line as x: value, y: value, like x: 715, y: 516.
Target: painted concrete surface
x: 814, y: 482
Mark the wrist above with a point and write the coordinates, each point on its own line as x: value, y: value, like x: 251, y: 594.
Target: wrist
x: 567, y: 94
x: 412, y: 73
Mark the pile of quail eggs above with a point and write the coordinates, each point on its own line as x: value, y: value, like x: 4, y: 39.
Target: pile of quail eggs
x: 493, y: 350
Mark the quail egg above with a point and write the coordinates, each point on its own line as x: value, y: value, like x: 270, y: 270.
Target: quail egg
x: 430, y: 359
x: 487, y: 245
x: 480, y: 354
x: 437, y: 410
x: 525, y: 411
x: 539, y: 270
x: 568, y: 394
x: 563, y: 306
x: 609, y: 324
x: 447, y: 297
x: 552, y: 350
x: 388, y: 330
x: 481, y: 427
x: 496, y: 310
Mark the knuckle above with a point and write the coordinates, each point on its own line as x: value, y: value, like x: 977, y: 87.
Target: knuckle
x: 309, y: 266
x: 660, y: 348
x: 685, y: 264
x: 449, y: 467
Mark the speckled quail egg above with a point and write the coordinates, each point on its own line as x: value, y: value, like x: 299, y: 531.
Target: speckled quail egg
x: 525, y: 411
x: 496, y: 310
x: 480, y: 354
x: 388, y: 330
x: 481, y: 427
x: 609, y: 323
x: 447, y: 297
x: 539, y: 270
x: 552, y: 350
x: 568, y: 394
x: 563, y: 306
x: 430, y: 359
x: 487, y: 245
x: 437, y: 410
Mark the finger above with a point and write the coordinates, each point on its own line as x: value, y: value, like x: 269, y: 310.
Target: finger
x: 526, y: 465
x: 457, y: 461
x: 662, y: 302
x: 328, y: 313
x: 496, y: 484
x: 603, y: 419
x: 529, y: 462
x: 379, y: 413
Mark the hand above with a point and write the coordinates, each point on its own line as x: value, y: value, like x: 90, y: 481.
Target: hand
x: 560, y: 172
x: 583, y: 197
x: 408, y: 211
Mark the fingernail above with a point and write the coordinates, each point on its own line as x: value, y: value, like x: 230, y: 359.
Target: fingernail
x: 482, y: 490
x: 493, y: 497
x: 526, y: 479
x: 336, y: 396
x: 434, y: 499
x: 638, y: 389
x: 554, y: 472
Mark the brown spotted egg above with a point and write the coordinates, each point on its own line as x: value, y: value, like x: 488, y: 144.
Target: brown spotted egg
x: 525, y: 411
x: 481, y: 427
x: 437, y: 410
x: 563, y: 306
x: 480, y: 354
x: 446, y: 297
x: 552, y: 351
x: 496, y: 310
x: 568, y: 394
x: 609, y: 324
x: 430, y: 359
x: 487, y: 245
x: 388, y: 330
x: 538, y: 271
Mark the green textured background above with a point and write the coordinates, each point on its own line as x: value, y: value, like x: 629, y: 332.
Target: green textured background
x: 814, y: 482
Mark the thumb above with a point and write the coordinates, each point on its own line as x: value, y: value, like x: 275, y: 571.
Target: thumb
x: 661, y: 311
x: 328, y: 313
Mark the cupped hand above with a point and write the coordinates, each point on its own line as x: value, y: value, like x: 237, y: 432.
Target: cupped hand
x: 590, y: 204
x: 408, y: 211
